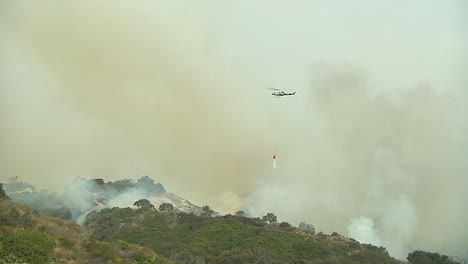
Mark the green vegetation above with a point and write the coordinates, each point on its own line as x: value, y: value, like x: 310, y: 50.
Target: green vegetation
x: 66, y: 242
x: 207, y: 211
x: 144, y: 204
x: 146, y: 235
x: 285, y: 225
x: 12, y: 214
x: 30, y: 246
x: 27, y: 237
x: 188, y: 238
x: 421, y: 257
x: 145, y: 184
x: 270, y: 218
x: 3, y: 195
x: 58, y: 204
x: 240, y: 213
x: 166, y: 207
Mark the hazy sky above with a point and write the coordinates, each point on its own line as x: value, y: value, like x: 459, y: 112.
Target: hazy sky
x: 375, y: 138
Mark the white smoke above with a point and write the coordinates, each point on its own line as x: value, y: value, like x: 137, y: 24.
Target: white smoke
x: 176, y: 89
x: 395, y: 229
x: 77, y: 198
x: 398, y: 226
x: 362, y: 229
x: 84, y: 196
x: 390, y: 158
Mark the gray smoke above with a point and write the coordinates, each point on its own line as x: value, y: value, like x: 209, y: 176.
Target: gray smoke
x: 84, y: 196
x: 376, y: 131
x: 380, y: 168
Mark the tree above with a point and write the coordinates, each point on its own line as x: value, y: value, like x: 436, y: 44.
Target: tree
x: 421, y: 257
x: 240, y: 213
x: 147, y: 184
x: 144, y: 204
x: 270, y: 218
x: 207, y: 210
x: 285, y: 225
x: 3, y: 194
x: 308, y: 228
x: 166, y: 207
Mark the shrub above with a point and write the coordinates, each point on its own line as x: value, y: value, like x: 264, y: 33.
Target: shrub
x: 66, y: 242
x: 100, y: 252
x: 421, y: 257
x: 29, y: 245
x: 3, y: 195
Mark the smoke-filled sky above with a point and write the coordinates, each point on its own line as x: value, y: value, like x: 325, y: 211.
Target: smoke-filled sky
x: 373, y: 145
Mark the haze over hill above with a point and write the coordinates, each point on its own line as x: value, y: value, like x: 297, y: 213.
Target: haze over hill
x: 84, y: 196
x: 373, y: 144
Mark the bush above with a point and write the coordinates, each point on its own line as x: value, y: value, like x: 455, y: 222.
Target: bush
x: 13, y: 215
x: 11, y: 259
x: 3, y: 195
x: 308, y: 228
x: 100, y: 252
x: 189, y: 238
x: 30, y: 246
x: 66, y: 242
x: 240, y: 213
x: 421, y: 257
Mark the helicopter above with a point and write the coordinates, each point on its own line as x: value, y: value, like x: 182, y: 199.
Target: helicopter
x: 279, y: 92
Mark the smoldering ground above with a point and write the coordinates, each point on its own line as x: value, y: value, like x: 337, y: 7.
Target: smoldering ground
x: 119, y: 90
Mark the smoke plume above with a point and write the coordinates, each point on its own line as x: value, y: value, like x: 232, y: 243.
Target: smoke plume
x: 373, y: 144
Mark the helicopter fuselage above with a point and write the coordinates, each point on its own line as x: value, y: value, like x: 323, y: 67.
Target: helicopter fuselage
x: 281, y: 93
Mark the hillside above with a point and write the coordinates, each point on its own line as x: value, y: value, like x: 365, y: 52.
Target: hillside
x: 229, y: 239
x: 166, y: 235
x: 88, y: 195
x: 29, y: 237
